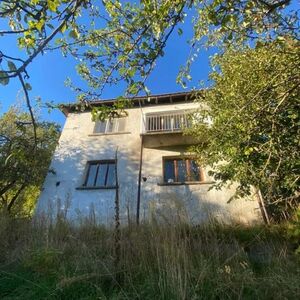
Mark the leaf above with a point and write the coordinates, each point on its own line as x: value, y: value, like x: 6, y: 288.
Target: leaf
x: 28, y: 86
x: 40, y: 24
x: 122, y: 71
x: 52, y: 5
x: 11, y: 66
x: 3, y: 79
x: 180, y: 31
x: 131, y: 72
x: 74, y: 34
x: 63, y: 28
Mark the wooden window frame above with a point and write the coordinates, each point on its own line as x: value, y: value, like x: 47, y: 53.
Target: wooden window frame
x: 188, y: 161
x: 98, y: 162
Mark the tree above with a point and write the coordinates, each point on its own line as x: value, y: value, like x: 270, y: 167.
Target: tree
x: 120, y: 41
x: 253, y: 138
x: 23, y: 163
x: 139, y: 33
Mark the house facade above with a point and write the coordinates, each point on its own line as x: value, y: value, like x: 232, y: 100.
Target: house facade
x: 157, y: 176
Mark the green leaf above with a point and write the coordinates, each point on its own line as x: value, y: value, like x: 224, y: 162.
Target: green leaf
x: 3, y: 80
x: 122, y: 71
x: 74, y: 34
x: 11, y: 66
x: 40, y: 24
x: 131, y: 72
x: 52, y: 5
x: 63, y: 28
x: 180, y: 31
x: 28, y: 87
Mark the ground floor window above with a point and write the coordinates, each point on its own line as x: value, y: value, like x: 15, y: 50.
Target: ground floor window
x: 100, y: 173
x: 179, y: 169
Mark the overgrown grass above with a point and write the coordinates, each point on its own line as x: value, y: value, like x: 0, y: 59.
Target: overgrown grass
x: 157, y: 262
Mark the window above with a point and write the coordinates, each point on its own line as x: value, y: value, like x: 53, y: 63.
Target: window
x: 100, y: 174
x: 181, y: 170
x: 110, y: 125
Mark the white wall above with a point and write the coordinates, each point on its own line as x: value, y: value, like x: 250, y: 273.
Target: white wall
x: 194, y: 203
x: 77, y: 145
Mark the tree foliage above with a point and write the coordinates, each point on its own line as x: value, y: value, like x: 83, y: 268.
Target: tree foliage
x: 23, y: 163
x: 254, y: 135
x: 120, y: 41
x: 254, y: 99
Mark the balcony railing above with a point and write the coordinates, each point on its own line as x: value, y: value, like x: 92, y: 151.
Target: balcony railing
x: 168, y: 122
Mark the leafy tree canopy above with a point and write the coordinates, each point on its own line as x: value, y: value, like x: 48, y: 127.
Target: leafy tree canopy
x: 121, y: 40
x: 254, y: 106
x: 23, y: 162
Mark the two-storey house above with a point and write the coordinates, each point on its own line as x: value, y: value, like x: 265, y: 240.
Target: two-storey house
x: 157, y: 175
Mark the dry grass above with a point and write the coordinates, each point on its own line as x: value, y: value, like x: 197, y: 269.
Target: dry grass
x: 61, y: 261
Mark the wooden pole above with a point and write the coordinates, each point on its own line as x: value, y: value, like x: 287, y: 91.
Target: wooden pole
x: 138, y: 202
x: 117, y: 217
x: 262, y: 207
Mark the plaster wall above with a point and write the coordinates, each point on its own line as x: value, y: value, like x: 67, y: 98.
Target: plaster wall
x: 193, y: 203
x: 78, y: 145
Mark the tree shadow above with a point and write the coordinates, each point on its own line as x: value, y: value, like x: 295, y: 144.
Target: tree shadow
x: 189, y: 203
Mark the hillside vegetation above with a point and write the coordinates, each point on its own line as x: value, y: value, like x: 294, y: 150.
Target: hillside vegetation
x: 156, y: 262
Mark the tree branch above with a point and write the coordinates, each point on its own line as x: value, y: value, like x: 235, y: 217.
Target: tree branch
x: 29, y: 108
x: 13, y: 200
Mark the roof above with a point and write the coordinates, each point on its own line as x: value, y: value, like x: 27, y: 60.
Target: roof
x: 179, y: 97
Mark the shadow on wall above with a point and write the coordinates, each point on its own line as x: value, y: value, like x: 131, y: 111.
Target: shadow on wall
x: 190, y: 203
x: 69, y: 165
x: 185, y: 207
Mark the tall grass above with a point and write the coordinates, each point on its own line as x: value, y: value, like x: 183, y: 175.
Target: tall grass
x: 62, y: 261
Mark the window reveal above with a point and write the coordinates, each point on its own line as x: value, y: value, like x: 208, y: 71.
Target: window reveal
x: 181, y: 170
x: 100, y: 174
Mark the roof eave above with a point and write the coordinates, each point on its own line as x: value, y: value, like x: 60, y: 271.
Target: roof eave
x: 137, y: 101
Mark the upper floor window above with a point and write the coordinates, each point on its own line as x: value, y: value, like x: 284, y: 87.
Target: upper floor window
x: 100, y: 174
x: 110, y: 125
x: 182, y: 170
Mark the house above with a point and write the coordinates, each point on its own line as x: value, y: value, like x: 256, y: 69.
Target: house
x: 157, y: 175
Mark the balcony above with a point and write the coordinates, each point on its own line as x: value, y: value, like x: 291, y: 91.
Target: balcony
x: 166, y: 122
x: 165, y: 129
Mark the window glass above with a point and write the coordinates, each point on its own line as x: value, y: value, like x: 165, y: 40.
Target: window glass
x: 169, y: 171
x: 182, y: 172
x: 101, y: 175
x: 100, y: 127
x: 194, y: 171
x: 111, y: 175
x: 91, y: 175
x: 109, y: 126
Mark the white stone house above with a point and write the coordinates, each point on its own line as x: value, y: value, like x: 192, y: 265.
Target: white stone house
x: 158, y: 178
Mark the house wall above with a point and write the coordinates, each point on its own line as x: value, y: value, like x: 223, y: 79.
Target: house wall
x: 78, y: 145
x: 193, y: 203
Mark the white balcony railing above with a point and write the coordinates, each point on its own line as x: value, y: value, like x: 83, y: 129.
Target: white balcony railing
x: 166, y: 122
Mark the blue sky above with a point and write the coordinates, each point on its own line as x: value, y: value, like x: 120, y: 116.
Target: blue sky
x: 49, y: 71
